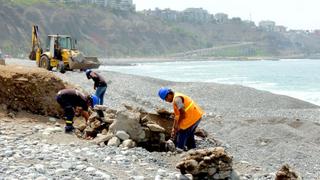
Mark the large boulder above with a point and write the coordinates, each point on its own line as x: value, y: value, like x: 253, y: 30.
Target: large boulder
x: 114, y: 141
x: 103, y: 138
x: 129, y: 143
x: 159, y: 119
x: 128, y: 121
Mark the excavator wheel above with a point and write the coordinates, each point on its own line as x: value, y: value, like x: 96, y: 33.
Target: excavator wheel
x: 45, y: 63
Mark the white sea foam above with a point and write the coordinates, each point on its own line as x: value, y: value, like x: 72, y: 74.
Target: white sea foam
x: 313, y: 97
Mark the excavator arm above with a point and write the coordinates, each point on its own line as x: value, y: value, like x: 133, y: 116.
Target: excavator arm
x: 36, y: 44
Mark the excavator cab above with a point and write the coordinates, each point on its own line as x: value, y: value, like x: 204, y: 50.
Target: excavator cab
x: 60, y: 42
x: 60, y: 53
x: 58, y: 50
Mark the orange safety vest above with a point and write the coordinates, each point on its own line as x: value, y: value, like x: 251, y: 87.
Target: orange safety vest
x: 192, y: 111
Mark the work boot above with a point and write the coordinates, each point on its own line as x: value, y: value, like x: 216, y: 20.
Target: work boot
x: 68, y: 129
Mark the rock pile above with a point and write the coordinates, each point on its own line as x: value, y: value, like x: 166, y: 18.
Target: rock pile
x: 30, y: 89
x: 287, y: 173
x: 127, y: 128
x: 211, y: 163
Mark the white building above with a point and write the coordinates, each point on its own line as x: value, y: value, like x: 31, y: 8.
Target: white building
x: 267, y: 25
x: 196, y: 15
x: 280, y: 29
x: 221, y: 18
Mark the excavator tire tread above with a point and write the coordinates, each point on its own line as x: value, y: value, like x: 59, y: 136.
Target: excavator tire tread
x: 45, y: 63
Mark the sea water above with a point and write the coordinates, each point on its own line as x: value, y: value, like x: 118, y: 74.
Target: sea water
x: 299, y: 78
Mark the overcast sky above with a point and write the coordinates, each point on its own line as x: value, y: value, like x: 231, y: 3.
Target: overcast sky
x: 294, y: 14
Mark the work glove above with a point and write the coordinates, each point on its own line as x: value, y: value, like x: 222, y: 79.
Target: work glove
x: 68, y: 128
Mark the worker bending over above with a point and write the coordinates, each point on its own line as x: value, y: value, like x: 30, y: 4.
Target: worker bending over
x: 187, y: 116
x: 100, y: 85
x: 70, y: 99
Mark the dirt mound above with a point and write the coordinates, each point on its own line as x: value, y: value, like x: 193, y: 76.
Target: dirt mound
x: 30, y: 89
x: 2, y: 61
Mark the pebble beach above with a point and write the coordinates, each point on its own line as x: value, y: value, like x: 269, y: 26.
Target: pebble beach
x: 261, y: 130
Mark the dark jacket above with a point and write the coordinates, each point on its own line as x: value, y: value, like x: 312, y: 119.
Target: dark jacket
x: 72, y: 97
x: 99, y: 80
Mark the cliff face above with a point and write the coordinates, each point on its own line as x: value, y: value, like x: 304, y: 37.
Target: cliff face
x: 101, y: 32
x: 97, y: 31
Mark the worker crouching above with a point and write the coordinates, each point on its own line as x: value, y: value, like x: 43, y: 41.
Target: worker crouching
x: 70, y: 99
x: 187, y: 116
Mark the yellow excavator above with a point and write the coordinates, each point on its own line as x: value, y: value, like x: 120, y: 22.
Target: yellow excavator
x: 60, y: 53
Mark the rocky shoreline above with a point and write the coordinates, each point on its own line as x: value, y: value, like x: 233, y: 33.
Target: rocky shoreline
x: 261, y: 130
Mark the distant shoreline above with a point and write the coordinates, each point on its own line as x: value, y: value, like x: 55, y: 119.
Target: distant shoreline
x: 134, y: 61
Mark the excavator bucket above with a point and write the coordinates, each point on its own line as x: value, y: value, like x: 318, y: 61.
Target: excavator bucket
x: 84, y: 63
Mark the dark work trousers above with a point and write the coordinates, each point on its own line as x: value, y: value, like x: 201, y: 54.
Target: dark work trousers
x: 185, y: 137
x: 68, y: 110
x: 101, y: 90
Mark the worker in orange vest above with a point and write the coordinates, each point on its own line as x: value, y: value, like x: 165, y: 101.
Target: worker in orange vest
x: 187, y: 116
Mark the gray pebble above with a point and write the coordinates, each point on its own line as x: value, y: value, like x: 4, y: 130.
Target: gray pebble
x: 137, y: 178
x: 60, y: 171
x: 8, y: 153
x: 90, y: 169
x: 39, y: 168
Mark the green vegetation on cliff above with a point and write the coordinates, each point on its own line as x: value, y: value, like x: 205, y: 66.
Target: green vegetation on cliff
x: 107, y: 33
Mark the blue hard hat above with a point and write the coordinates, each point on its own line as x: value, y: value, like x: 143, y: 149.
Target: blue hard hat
x: 163, y: 92
x: 95, y: 99
x: 88, y: 71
